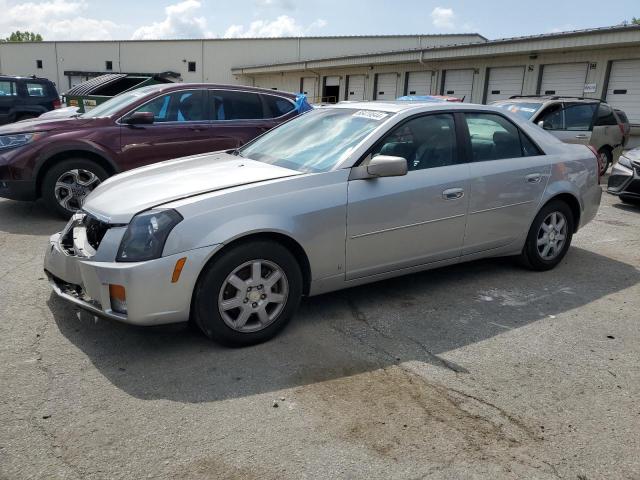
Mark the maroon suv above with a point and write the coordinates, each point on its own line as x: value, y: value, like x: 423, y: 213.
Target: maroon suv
x: 62, y: 160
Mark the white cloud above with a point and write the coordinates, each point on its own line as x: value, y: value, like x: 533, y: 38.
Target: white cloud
x: 54, y: 20
x: 283, y: 26
x: 282, y: 4
x: 443, y: 18
x: 181, y: 21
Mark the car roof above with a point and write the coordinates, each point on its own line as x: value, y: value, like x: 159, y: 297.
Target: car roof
x: 168, y: 87
x: 403, y: 106
x: 31, y: 79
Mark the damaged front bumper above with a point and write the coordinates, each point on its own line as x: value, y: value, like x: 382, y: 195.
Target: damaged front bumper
x: 80, y: 275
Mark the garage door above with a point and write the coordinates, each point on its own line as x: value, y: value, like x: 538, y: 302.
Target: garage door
x: 386, y: 86
x: 309, y: 88
x: 504, y: 82
x: 623, y: 91
x: 458, y: 83
x: 419, y: 83
x: 355, y: 87
x: 566, y: 79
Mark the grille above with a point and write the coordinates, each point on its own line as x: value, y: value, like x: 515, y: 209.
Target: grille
x: 96, y: 230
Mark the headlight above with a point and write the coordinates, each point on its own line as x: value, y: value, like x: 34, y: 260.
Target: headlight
x: 625, y: 162
x: 18, y: 139
x: 146, y: 235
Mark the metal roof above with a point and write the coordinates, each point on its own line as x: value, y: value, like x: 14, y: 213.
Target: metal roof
x: 490, y: 47
x: 85, y: 88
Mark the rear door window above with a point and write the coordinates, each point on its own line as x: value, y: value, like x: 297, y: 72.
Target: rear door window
x: 8, y: 88
x: 277, y: 106
x: 182, y: 106
x: 605, y: 116
x: 233, y: 105
x: 493, y: 137
x: 36, y: 89
x: 579, y: 116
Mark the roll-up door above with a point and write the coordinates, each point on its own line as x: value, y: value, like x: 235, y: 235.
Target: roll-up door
x: 504, y: 82
x: 623, y: 91
x: 458, y: 83
x: 309, y: 88
x: 418, y: 83
x: 355, y: 87
x: 564, y: 79
x: 386, y: 86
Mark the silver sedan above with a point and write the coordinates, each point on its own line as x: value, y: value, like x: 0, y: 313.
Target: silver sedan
x: 340, y: 196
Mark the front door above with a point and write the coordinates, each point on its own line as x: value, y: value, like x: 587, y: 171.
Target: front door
x: 8, y: 99
x: 181, y: 128
x: 416, y: 219
x: 508, y: 174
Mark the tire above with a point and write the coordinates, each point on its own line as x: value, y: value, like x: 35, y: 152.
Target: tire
x: 80, y: 174
x: 533, y: 255
x: 262, y: 319
x: 605, y: 158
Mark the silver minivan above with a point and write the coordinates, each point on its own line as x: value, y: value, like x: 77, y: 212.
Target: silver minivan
x: 574, y: 120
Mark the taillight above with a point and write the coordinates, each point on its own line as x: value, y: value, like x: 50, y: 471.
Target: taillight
x: 595, y: 152
x: 57, y: 103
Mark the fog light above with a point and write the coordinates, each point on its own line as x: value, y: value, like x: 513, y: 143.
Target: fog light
x: 118, y: 298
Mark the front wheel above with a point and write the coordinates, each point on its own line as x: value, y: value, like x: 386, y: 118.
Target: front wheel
x: 549, y: 237
x: 66, y: 185
x: 605, y: 158
x: 249, y: 294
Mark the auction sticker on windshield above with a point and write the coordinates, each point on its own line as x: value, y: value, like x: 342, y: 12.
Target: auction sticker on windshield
x: 370, y: 114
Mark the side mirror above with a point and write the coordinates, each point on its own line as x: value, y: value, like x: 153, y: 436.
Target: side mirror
x: 387, y: 166
x: 545, y: 125
x: 140, y: 118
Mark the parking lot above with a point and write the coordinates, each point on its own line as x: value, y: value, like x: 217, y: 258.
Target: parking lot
x: 481, y: 370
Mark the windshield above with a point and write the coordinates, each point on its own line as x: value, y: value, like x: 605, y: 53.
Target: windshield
x: 315, y: 141
x: 113, y: 105
x: 525, y: 110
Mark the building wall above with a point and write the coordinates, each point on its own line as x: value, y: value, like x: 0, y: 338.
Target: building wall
x: 214, y: 57
x: 597, y: 58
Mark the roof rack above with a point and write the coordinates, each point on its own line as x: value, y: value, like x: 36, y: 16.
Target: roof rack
x: 556, y: 97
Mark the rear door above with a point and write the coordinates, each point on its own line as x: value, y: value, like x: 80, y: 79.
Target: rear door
x: 8, y: 99
x: 571, y: 122
x: 508, y: 175
x: 181, y: 128
x: 237, y: 118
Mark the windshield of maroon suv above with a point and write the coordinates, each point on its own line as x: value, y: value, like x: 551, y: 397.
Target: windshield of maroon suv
x: 115, y: 104
x: 525, y: 110
x: 316, y: 141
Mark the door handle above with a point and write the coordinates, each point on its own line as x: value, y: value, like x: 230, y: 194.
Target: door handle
x: 582, y: 135
x: 196, y: 129
x: 534, y: 178
x: 453, y: 194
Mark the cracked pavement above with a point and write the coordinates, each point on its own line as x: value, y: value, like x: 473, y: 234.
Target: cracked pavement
x: 481, y: 370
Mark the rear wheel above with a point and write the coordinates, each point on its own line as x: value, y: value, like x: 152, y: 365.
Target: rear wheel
x: 605, y: 157
x: 249, y: 294
x: 549, y: 237
x: 66, y: 184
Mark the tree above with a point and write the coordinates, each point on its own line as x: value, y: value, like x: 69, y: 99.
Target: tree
x: 635, y: 21
x: 19, y: 36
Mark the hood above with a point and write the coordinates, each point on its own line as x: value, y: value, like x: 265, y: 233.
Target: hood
x: 119, y: 198
x: 633, y: 155
x: 43, y: 125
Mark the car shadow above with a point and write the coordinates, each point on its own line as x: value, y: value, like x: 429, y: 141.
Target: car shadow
x: 413, y: 318
x: 28, y: 218
x: 627, y: 207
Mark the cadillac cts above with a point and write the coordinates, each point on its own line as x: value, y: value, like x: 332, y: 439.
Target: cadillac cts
x: 337, y: 197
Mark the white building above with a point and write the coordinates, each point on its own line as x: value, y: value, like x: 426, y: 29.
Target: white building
x: 602, y: 63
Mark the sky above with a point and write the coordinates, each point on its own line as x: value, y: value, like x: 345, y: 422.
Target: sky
x: 156, y: 19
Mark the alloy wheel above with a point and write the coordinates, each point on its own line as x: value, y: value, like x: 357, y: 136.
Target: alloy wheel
x: 552, y: 236
x: 253, y: 296
x: 73, y: 186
